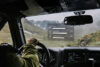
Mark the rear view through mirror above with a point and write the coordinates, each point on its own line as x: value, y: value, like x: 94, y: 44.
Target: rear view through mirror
x: 78, y: 20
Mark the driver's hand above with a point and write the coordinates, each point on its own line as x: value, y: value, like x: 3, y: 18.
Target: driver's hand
x: 30, y: 47
x: 32, y: 41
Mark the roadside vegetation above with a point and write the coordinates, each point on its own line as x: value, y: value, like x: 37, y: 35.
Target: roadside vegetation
x: 31, y: 30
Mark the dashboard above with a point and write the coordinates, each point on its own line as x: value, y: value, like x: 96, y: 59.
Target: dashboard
x: 72, y: 57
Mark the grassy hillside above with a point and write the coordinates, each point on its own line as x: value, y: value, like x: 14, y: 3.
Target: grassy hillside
x: 92, y: 39
x: 34, y: 30
x: 41, y: 35
x: 5, y: 35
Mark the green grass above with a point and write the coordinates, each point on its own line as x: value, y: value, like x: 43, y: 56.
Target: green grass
x: 5, y: 36
x: 41, y: 35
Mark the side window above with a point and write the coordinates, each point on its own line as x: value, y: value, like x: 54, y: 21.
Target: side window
x: 5, y: 36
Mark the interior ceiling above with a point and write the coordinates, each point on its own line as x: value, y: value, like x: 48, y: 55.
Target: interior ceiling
x: 36, y: 7
x: 33, y: 8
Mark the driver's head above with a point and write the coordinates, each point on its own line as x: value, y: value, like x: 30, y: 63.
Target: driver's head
x: 7, y: 48
x: 6, y: 54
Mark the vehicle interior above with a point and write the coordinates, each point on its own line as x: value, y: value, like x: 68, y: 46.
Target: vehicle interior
x: 68, y: 30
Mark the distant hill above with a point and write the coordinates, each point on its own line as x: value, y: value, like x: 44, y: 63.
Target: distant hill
x: 33, y: 30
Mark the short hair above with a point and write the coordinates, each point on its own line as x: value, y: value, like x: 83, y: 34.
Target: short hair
x: 5, y: 48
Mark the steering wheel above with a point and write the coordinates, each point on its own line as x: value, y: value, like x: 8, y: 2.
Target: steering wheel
x: 47, y: 64
x: 47, y: 55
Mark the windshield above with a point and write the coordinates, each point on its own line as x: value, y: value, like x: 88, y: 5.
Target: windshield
x: 50, y: 30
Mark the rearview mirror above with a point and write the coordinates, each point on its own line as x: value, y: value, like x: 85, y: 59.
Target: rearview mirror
x: 78, y: 20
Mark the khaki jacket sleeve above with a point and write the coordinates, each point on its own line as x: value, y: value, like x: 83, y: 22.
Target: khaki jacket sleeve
x: 30, y: 57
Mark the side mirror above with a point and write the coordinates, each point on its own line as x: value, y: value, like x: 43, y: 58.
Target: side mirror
x: 78, y: 20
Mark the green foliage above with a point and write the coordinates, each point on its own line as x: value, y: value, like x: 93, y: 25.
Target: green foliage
x: 92, y: 39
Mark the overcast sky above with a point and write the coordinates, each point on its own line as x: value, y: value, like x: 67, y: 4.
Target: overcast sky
x: 60, y: 16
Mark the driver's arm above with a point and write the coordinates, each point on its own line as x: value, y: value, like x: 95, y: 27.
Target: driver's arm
x: 29, y: 57
x: 9, y: 58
